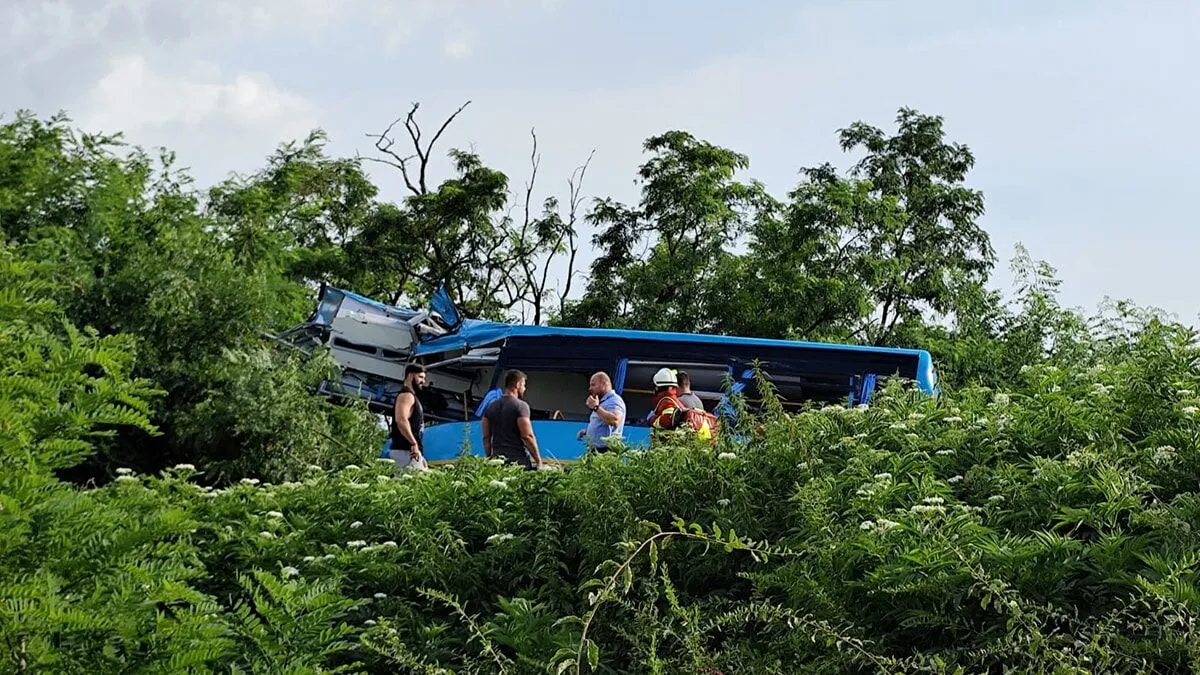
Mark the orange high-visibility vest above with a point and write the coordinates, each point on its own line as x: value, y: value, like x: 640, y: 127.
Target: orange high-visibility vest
x: 671, y: 413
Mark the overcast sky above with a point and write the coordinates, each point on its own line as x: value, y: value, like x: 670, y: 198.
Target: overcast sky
x: 1081, y: 113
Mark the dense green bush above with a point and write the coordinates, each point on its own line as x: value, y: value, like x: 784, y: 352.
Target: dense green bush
x: 1049, y: 528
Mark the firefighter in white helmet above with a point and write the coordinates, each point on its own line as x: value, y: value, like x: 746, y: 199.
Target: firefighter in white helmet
x: 672, y: 414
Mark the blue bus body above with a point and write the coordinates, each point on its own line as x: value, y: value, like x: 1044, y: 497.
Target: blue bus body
x: 466, y: 359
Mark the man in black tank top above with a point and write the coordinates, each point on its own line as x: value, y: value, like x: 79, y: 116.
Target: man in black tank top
x: 408, y: 420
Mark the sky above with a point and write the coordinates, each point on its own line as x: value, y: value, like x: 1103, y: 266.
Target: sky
x: 1079, y: 112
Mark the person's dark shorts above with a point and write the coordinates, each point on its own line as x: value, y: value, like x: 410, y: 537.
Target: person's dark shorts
x: 516, y: 457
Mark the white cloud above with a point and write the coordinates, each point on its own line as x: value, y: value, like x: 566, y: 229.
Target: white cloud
x: 134, y: 97
x: 458, y: 47
x: 174, y: 73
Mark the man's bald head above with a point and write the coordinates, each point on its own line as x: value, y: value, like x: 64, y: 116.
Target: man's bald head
x: 599, y: 384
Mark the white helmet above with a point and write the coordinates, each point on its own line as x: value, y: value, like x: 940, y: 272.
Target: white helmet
x: 665, y: 377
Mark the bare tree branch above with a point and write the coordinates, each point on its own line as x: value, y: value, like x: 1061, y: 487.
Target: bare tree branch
x: 535, y: 292
x: 384, y: 143
x: 575, y: 186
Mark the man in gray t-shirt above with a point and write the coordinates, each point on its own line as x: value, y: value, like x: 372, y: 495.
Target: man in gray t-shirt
x: 686, y: 396
x: 507, y: 430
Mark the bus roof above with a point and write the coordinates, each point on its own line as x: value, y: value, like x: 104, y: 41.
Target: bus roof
x: 472, y: 333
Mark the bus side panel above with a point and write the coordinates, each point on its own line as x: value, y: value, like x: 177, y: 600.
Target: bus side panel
x: 557, y: 440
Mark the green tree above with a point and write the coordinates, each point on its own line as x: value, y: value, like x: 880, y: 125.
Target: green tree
x: 132, y: 252
x: 922, y: 248
x: 298, y: 214
x: 659, y: 262
x: 862, y: 257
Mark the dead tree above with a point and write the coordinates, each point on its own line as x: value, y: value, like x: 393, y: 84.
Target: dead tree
x: 508, y: 270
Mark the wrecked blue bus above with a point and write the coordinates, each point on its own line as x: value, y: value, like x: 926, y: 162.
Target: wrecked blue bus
x: 465, y: 361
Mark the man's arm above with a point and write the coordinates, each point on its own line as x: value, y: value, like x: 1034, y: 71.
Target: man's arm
x: 404, y: 403
x: 526, y: 429
x: 611, y: 417
x: 486, y: 427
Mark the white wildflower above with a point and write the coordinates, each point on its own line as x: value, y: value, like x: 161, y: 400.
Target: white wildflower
x: 916, y: 416
x: 384, y: 460
x: 499, y: 537
x: 357, y: 543
x: 266, y: 535
x: 995, y: 499
x: 899, y: 426
x: 369, y: 622
x: 727, y: 455
x: 802, y: 466
x: 954, y: 419
x: 884, y: 524
x: 1025, y: 369
x: 127, y: 479
x: 389, y: 543
x: 723, y: 502
x: 380, y: 596
x: 866, y: 525
x: 945, y: 453
x: 1190, y: 410
x: 124, y: 471
x: 1164, y: 454
x: 358, y: 486
x: 883, y: 476
x: 351, y: 467
x: 934, y: 500
x: 290, y: 571
x: 250, y: 481
x: 356, y: 524
x: 1001, y: 399
x: 314, y: 467
x: 309, y: 558
x: 328, y: 556
x: 498, y: 484
x: 184, y: 467
x: 383, y: 478
x: 1186, y: 392
x: 497, y: 461
x: 953, y: 479
x: 274, y: 514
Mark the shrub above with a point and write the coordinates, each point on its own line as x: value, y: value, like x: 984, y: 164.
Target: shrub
x: 1049, y: 527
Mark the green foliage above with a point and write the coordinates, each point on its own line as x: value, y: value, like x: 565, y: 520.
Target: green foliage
x: 658, y: 262
x: 1040, y: 517
x: 861, y: 258
x: 130, y: 253
x: 260, y: 418
x: 1049, y: 527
